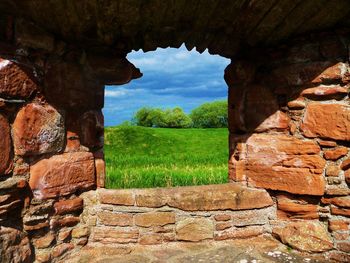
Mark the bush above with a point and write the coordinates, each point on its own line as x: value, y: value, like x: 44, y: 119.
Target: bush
x: 210, y: 115
x: 155, y: 117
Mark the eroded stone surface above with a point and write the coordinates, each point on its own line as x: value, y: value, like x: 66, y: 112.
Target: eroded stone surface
x: 38, y: 129
x: 279, y: 162
x: 15, y: 83
x: 306, y: 236
x: 62, y: 174
x: 194, y: 229
x: 5, y: 145
x: 327, y: 121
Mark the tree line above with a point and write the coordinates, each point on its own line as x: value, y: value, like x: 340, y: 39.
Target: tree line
x: 207, y: 115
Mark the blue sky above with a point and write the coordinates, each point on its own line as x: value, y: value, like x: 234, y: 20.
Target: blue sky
x: 171, y: 77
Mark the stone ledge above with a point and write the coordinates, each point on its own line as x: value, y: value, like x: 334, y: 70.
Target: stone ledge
x: 191, y: 198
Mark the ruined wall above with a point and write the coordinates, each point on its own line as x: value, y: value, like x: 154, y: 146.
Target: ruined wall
x: 289, y: 134
x: 51, y: 146
x: 289, y: 119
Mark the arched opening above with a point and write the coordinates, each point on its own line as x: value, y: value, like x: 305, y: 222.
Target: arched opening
x: 168, y: 128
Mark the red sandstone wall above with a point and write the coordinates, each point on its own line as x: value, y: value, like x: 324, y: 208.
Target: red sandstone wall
x: 289, y: 116
x: 289, y: 134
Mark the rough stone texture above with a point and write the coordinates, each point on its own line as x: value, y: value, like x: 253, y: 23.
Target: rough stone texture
x: 329, y: 121
x: 326, y: 92
x: 113, y: 219
x: 209, y: 197
x: 5, y: 146
x: 280, y: 162
x: 335, y: 154
x: 38, y: 129
x: 120, y: 197
x: 15, y: 245
x: 296, y: 208
x: 107, y: 235
x: 15, y: 83
x: 154, y: 219
x: 306, y: 236
x: 194, y: 229
x: 68, y: 206
x: 62, y: 174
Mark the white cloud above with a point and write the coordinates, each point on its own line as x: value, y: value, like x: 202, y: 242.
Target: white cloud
x: 115, y: 93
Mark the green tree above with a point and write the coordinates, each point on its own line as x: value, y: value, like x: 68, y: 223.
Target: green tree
x: 177, y: 118
x: 143, y: 118
x: 210, y: 115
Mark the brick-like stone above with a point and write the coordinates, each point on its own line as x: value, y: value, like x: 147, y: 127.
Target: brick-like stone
x: 279, y: 162
x: 342, y: 201
x: 325, y: 92
x: 62, y: 175
x: 309, y: 236
x: 100, y: 172
x: 347, y: 176
x: 345, y: 165
x: 68, y: 206
x: 340, y: 211
x: 338, y: 225
x: 222, y: 217
x: 240, y: 233
x: 64, y: 222
x: 116, y: 197
x: 16, y: 83
x: 79, y: 232
x: 107, y: 235
x: 154, y: 219
x: 253, y: 217
x: 222, y: 226
x: 38, y: 129
x: 325, y: 143
x: 43, y: 256
x: 5, y: 145
x: 44, y: 241
x: 151, y: 239
x: 332, y: 170
x: 64, y: 235
x: 335, y: 154
x: 329, y: 121
x: 344, y: 246
x: 194, y: 229
x: 61, y: 249
x: 205, y: 198
x: 113, y: 219
x: 295, y: 208
x: 338, y: 72
x: 339, y: 256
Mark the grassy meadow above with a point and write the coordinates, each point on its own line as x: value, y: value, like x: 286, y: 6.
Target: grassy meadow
x: 140, y: 157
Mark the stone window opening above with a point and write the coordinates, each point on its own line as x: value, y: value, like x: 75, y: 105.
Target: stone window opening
x: 170, y: 78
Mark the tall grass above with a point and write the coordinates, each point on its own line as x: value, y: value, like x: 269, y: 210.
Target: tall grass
x: 139, y: 157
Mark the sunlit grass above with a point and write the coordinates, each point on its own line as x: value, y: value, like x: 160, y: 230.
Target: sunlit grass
x: 138, y: 157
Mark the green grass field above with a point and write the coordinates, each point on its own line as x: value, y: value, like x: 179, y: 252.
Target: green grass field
x: 139, y: 157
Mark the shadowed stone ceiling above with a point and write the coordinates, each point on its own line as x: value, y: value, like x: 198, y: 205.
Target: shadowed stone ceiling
x: 222, y: 26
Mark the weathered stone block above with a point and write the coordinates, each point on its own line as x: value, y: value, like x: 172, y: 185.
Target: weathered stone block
x: 68, y: 206
x: 155, y: 219
x: 79, y: 232
x: 113, y: 219
x: 116, y: 197
x: 44, y: 241
x: 325, y: 92
x: 338, y: 225
x: 61, y: 249
x: 342, y: 201
x: 327, y: 121
x: 5, y: 146
x: 108, y: 235
x: 237, y: 233
x: 15, y: 83
x: 279, y: 162
x: 340, y: 211
x: 38, y: 129
x: 295, y: 208
x: 335, y: 154
x: 207, y: 197
x: 62, y: 174
x: 194, y: 229
x: 309, y: 236
x: 151, y: 239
